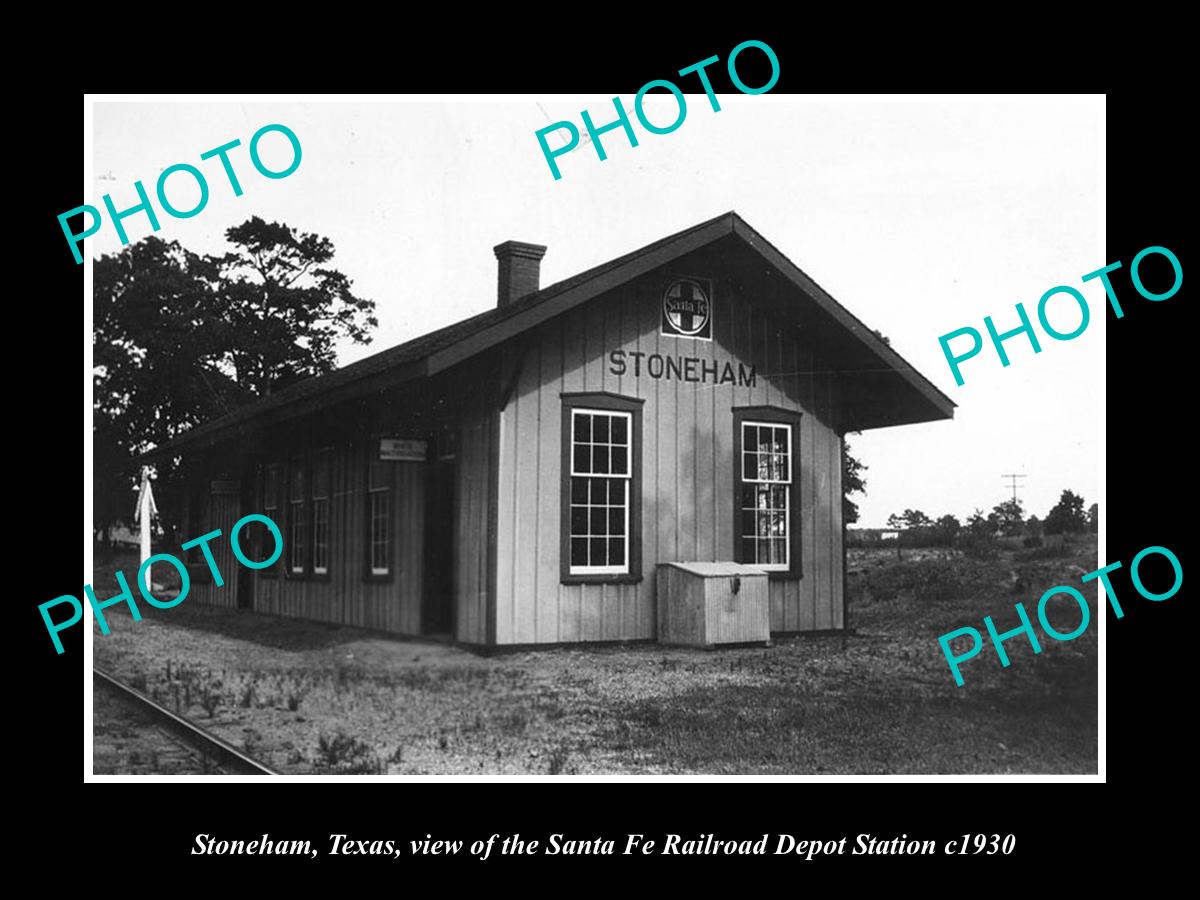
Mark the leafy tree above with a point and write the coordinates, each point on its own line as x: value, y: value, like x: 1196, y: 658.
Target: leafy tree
x: 1010, y: 516
x: 914, y: 518
x: 180, y: 338
x: 949, y: 523
x: 946, y: 529
x: 1067, y: 516
x: 1034, y: 526
x: 853, y: 482
x: 895, y: 521
x: 982, y: 526
x: 1093, y: 517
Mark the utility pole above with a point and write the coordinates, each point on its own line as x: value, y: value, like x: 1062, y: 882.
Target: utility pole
x: 1014, y: 478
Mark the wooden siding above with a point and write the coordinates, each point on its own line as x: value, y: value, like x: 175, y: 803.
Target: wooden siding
x: 474, y: 527
x: 223, y: 511
x: 344, y: 596
x: 687, y: 454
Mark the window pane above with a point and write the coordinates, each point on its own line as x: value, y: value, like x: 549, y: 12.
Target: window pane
x: 599, y: 521
x: 599, y: 552
x: 616, y: 552
x: 599, y: 459
x: 778, y: 496
x: 766, y: 470
x: 583, y: 427
x: 779, y: 551
x: 321, y: 535
x: 578, y: 520
x: 579, y: 490
x: 747, y: 497
x: 599, y: 490
x: 583, y: 462
x: 620, y: 461
x: 749, y: 466
x: 600, y: 429
x: 616, y: 520
x: 271, y: 488
x: 620, y: 430
x: 380, y: 539
x: 321, y: 467
x: 579, y: 552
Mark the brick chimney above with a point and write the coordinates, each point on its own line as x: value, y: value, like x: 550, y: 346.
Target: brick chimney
x: 520, y: 270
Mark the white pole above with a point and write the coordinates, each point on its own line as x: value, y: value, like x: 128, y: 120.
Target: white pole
x: 144, y: 514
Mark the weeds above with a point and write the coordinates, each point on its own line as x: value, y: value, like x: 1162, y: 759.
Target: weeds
x: 557, y: 759
x: 346, y: 755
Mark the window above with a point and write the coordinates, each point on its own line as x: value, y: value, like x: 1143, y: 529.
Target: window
x: 320, y: 512
x: 270, y: 507
x: 379, y: 515
x: 297, y: 523
x: 766, y: 501
x: 601, y: 488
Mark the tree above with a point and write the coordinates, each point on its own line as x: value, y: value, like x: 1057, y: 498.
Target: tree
x: 1010, y: 516
x: 914, y: 518
x: 946, y: 530
x: 1034, y: 526
x: 853, y: 482
x: 980, y: 526
x: 1067, y: 516
x: 180, y: 338
x: 895, y: 521
x: 1093, y: 517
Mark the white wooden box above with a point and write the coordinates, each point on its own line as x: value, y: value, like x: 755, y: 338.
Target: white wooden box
x: 702, y: 604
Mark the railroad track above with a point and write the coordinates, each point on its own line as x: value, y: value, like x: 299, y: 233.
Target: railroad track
x: 227, y: 756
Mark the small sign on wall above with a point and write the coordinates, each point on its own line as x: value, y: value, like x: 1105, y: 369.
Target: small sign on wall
x: 402, y: 449
x: 686, y: 310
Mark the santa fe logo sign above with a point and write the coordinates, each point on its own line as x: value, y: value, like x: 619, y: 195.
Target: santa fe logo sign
x: 686, y: 311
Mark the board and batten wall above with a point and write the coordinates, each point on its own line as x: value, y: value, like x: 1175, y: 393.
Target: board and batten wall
x: 474, y: 554
x: 687, y: 464
x: 344, y: 596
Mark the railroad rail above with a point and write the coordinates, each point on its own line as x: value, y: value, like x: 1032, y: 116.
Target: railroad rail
x: 223, y: 753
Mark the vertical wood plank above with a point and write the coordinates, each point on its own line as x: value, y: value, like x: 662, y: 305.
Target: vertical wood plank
x: 549, y: 468
x: 528, y: 485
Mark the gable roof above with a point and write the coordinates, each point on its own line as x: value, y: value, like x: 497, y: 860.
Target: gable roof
x: 439, y: 350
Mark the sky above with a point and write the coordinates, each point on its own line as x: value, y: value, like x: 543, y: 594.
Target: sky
x: 920, y: 216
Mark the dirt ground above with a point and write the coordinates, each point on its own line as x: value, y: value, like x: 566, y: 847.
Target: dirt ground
x: 312, y: 698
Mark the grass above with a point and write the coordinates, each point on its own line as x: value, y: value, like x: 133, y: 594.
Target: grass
x: 316, y: 698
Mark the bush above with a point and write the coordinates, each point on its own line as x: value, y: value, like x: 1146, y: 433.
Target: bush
x: 1032, y: 541
x: 346, y: 755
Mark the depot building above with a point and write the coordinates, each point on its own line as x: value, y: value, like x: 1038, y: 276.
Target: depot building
x: 520, y: 477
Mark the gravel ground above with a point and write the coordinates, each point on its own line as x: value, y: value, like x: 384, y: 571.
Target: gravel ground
x: 126, y: 741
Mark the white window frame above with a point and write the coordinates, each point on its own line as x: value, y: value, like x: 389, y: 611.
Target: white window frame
x: 298, y: 523
x: 322, y: 458
x: 626, y: 479
x: 787, y: 497
x: 386, y: 493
